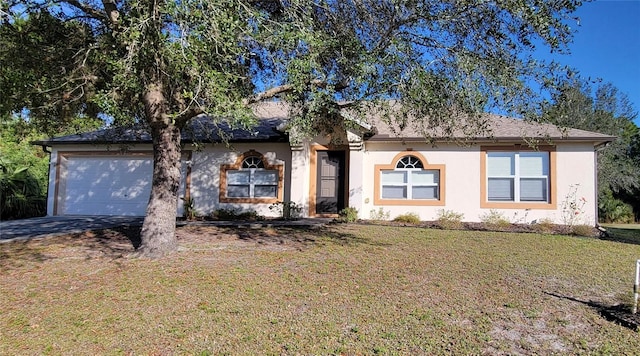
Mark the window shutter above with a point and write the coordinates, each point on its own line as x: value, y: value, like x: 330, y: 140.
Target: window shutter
x: 429, y: 177
x: 394, y: 192
x: 533, y: 189
x: 534, y: 164
x: 500, y: 189
x: 238, y: 177
x: 500, y: 164
x: 265, y: 177
x: 393, y: 177
x: 424, y: 192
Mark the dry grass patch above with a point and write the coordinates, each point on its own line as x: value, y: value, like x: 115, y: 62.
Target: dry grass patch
x: 347, y: 289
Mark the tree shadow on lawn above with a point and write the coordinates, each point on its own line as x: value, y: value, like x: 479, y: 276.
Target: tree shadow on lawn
x: 291, y: 235
x: 619, y: 234
x: 619, y: 314
x: 108, y: 243
x: 120, y: 242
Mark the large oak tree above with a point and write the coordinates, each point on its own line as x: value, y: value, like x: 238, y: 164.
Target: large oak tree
x: 165, y: 62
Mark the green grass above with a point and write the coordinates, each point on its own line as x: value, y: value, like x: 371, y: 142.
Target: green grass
x: 629, y: 233
x: 348, y: 289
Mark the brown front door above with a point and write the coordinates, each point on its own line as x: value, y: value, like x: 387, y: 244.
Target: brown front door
x: 331, y: 182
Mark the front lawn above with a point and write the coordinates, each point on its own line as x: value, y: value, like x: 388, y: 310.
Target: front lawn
x: 345, y: 289
x: 629, y: 233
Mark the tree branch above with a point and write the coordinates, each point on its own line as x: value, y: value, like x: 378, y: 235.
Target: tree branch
x: 275, y: 91
x: 268, y: 94
x: 187, y: 115
x: 110, y: 14
x: 111, y: 11
x: 89, y: 10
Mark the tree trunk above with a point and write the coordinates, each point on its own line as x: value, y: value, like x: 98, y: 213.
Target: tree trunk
x: 158, y: 230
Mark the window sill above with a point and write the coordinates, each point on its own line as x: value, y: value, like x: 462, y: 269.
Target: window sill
x: 407, y: 202
x: 249, y: 200
x: 518, y: 205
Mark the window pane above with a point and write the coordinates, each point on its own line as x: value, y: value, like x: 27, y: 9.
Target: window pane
x: 393, y: 177
x: 424, y: 193
x: 265, y: 177
x: 265, y: 191
x: 252, y: 162
x: 425, y: 177
x: 500, y: 189
x: 238, y: 177
x: 500, y: 164
x: 391, y: 192
x: 409, y: 162
x: 533, y: 189
x: 238, y: 191
x: 534, y: 164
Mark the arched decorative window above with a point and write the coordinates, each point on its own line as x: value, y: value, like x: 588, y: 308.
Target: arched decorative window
x: 409, y: 180
x: 409, y: 162
x: 251, y: 180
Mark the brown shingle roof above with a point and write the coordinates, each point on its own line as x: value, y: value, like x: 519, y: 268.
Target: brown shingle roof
x: 497, y: 128
x: 273, y: 115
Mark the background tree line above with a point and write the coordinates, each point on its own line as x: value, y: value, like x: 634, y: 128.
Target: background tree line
x: 599, y: 107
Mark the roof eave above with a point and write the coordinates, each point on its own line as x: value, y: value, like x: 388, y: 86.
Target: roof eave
x: 595, y: 140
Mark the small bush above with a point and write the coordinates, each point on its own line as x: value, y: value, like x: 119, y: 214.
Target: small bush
x: 612, y: 210
x: 409, y: 218
x: 379, y: 215
x: 234, y: 214
x: 582, y: 230
x: 545, y: 225
x: 449, y: 219
x: 348, y: 215
x: 21, y: 195
x: 288, y: 210
x: 495, y: 220
x: 188, y: 209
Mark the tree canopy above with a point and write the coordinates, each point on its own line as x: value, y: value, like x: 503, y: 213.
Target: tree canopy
x: 165, y: 62
x: 578, y: 104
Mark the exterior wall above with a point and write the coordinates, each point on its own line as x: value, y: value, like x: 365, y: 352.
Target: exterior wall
x: 300, y: 177
x: 462, y: 186
x: 574, y: 179
x: 205, y: 175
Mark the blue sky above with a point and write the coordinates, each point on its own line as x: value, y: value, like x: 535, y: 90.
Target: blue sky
x: 607, y: 45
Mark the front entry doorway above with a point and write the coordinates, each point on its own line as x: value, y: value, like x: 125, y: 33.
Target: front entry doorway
x: 330, y: 182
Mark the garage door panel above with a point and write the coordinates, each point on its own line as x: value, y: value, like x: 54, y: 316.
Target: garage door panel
x: 100, y: 208
x: 107, y: 185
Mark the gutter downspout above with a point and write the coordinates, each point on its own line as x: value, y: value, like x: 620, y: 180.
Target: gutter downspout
x: 597, y: 148
x: 46, y: 150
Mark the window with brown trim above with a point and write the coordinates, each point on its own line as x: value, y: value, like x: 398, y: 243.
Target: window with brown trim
x: 515, y: 177
x: 251, y: 180
x: 409, y: 180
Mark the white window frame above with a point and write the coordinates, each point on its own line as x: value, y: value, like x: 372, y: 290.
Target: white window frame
x: 517, y: 177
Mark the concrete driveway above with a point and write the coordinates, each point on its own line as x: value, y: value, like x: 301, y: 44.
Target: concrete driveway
x: 58, y: 225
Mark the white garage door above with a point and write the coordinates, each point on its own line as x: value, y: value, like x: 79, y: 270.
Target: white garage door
x: 106, y: 185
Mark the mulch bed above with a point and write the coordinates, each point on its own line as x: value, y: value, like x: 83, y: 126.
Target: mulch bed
x: 479, y: 226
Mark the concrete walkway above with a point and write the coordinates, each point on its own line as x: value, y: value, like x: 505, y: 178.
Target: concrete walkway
x: 59, y: 225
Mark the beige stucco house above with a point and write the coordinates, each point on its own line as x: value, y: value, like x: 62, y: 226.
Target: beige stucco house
x: 374, y: 168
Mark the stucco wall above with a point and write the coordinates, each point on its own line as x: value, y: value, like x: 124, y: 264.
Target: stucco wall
x: 574, y: 180
x: 205, y: 174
